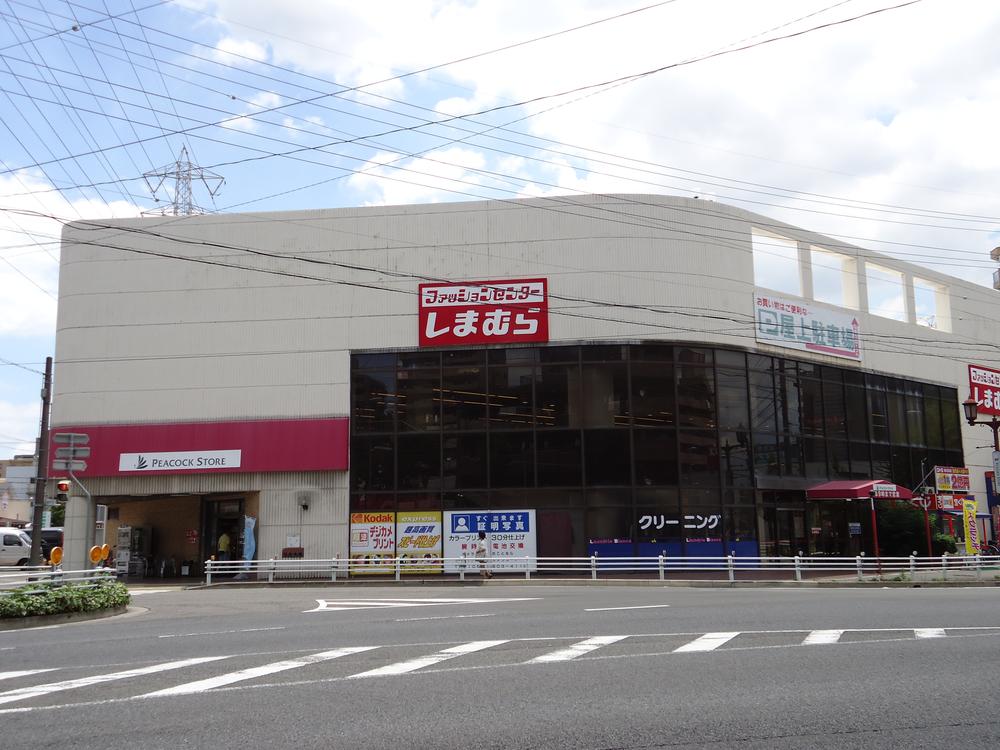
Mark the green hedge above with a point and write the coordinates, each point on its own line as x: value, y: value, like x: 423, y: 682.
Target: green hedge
x: 54, y: 599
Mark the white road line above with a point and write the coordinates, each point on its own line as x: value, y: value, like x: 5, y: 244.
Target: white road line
x: 249, y: 674
x: 23, y: 673
x: 219, y: 632
x: 929, y: 632
x: 54, y: 687
x: 442, y: 617
x: 577, y: 649
x: 137, y: 592
x: 612, y: 609
x: 337, y: 605
x: 822, y: 636
x: 707, y: 642
x: 426, y: 661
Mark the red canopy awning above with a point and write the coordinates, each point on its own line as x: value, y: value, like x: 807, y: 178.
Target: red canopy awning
x: 858, y: 489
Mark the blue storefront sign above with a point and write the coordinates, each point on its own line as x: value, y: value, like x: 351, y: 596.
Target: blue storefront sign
x: 492, y: 522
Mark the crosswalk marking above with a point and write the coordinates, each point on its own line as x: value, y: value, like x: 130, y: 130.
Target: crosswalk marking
x: 707, y: 642
x: 426, y: 661
x: 929, y: 632
x: 577, y: 649
x: 249, y: 674
x: 23, y: 673
x: 822, y: 636
x: 54, y: 687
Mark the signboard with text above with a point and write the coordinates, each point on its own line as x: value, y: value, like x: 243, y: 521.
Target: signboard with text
x: 984, y: 388
x: 484, y: 312
x: 806, y: 326
x: 510, y: 534
x: 418, y: 541
x: 373, y: 543
x: 951, y: 479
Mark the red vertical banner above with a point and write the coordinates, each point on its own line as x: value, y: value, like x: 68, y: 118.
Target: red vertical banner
x: 984, y: 388
x: 484, y: 312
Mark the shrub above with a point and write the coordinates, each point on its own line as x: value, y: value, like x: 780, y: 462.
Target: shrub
x: 54, y: 599
x: 944, y: 543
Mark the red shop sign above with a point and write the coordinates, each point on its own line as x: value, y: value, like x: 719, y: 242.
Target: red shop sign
x: 484, y: 312
x: 984, y: 388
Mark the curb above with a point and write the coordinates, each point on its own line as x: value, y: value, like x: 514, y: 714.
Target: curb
x: 59, y: 619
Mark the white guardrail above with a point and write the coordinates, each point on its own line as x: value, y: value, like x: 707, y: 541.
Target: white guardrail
x: 15, y: 578
x: 733, y: 568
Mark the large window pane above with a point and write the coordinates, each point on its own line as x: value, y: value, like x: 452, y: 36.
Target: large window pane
x: 372, y: 461
x: 915, y: 419
x: 655, y: 457
x: 814, y: 457
x: 463, y: 398
x: 811, y: 395
x: 766, y: 455
x: 834, y: 408
x: 878, y: 414
x: 609, y: 525
x: 786, y: 382
x: 857, y: 417
x: 950, y: 425
x: 512, y: 459
x: 897, y: 418
x: 881, y: 462
x: 699, y: 458
x: 839, y: 458
x: 370, y: 501
x: 791, y: 455
x: 737, y: 471
x: 696, y: 396
x: 652, y: 353
x: 464, y: 461
x: 419, y: 401
x: 861, y: 466
x: 608, y: 457
x: 373, y: 401
x: 932, y: 414
x: 558, y: 396
x: 419, y: 462
x: 605, y: 396
x: 559, y: 458
x: 652, y: 395
x: 762, y: 406
x: 510, y: 402
x: 732, y: 399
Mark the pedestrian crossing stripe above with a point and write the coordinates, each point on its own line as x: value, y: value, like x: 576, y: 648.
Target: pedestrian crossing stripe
x: 578, y: 649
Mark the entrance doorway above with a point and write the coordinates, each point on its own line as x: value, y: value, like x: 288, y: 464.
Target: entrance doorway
x: 223, y: 515
x: 784, y: 532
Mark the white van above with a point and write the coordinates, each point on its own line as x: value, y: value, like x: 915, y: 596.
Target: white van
x: 15, y: 546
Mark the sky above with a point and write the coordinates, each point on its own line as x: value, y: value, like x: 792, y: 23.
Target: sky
x: 872, y: 121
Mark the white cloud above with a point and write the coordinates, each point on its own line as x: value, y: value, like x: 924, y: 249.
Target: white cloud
x: 18, y: 427
x: 425, y: 180
x: 231, y: 51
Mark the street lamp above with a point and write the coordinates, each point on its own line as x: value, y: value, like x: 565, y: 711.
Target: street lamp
x: 971, y: 408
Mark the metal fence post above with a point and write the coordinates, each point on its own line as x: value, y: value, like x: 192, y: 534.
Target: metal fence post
x: 979, y: 567
x: 661, y: 566
x: 732, y: 568
x: 798, y: 568
x: 593, y: 567
x: 208, y: 572
x: 461, y: 567
x: 270, y: 570
x: 944, y: 566
x: 913, y: 564
x: 333, y: 568
x: 860, y: 561
x: 398, y: 566
x: 527, y: 569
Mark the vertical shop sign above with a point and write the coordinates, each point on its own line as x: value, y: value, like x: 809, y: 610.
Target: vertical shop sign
x: 510, y: 536
x: 373, y: 543
x: 418, y: 541
x: 984, y: 388
x: 484, y: 312
x: 798, y: 324
x: 971, y: 528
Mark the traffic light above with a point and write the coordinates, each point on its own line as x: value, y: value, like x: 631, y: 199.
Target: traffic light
x: 62, y: 491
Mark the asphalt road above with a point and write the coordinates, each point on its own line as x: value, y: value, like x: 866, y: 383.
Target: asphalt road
x: 499, y: 666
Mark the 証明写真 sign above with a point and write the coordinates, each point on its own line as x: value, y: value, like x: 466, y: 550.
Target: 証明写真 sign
x: 483, y: 312
x: 510, y: 535
x: 798, y: 324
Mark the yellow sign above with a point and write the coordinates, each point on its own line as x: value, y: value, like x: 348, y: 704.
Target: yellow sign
x: 971, y: 528
x: 373, y: 543
x: 95, y: 554
x: 418, y: 541
x: 105, y: 552
x: 55, y: 556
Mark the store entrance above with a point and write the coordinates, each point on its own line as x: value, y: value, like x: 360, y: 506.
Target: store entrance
x: 223, y: 525
x: 785, y: 532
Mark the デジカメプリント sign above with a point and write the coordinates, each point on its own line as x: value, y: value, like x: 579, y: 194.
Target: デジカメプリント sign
x: 806, y: 326
x: 484, y: 312
x: 180, y: 461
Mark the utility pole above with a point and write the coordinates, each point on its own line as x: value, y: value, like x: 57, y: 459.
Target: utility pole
x: 42, y: 470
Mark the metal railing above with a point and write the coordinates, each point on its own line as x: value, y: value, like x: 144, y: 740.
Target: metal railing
x: 51, y: 574
x: 732, y: 568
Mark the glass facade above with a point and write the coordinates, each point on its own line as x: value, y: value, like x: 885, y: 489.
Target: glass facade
x: 640, y: 449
